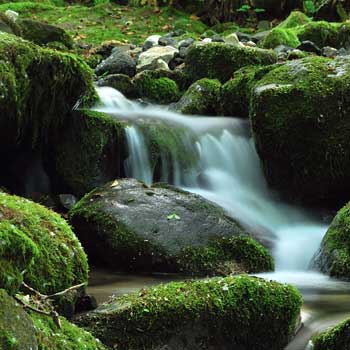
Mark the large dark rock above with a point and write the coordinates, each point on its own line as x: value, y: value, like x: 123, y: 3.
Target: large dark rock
x: 231, y: 313
x: 118, y: 63
x: 129, y: 226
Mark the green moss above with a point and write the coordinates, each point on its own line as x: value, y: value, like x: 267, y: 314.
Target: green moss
x: 71, y: 337
x: 224, y: 256
x: 220, y: 61
x: 279, y: 36
x: 41, y: 243
x: 89, y: 152
x: 295, y: 108
x: 295, y: 19
x: 230, y: 312
x: 8, y: 26
x: 337, y: 338
x: 160, y: 90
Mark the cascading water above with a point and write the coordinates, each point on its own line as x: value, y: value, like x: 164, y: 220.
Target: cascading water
x: 228, y: 172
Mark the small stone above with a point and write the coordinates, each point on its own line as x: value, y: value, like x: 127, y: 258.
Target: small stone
x: 309, y: 46
x: 12, y: 15
x: 217, y: 38
x: 148, y: 59
x: 176, y: 61
x: 167, y: 41
x: 161, y: 64
x: 250, y: 44
x: 186, y: 42
x: 150, y: 42
x: 67, y: 200
x: 282, y: 49
x: 295, y: 54
x: 183, y: 51
x: 232, y: 39
x: 206, y: 41
x: 330, y: 52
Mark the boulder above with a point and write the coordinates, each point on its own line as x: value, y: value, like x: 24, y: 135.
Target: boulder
x: 333, y: 257
x: 43, y: 33
x: 222, y: 313
x: 41, y: 243
x: 299, y: 120
x: 220, y: 60
x: 131, y: 227
x: 201, y: 98
x: 118, y: 63
x: 149, y: 58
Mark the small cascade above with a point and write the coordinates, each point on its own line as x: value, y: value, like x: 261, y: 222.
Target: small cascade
x: 227, y: 171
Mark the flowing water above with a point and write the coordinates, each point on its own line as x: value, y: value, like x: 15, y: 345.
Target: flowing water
x: 228, y: 172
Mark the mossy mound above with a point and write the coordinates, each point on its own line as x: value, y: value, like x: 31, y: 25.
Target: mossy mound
x: 295, y: 19
x: 38, y: 241
x: 333, y: 257
x: 201, y: 98
x: 89, y: 154
x: 220, y: 61
x: 234, y: 312
x: 279, y: 36
x: 16, y: 328
x: 38, y: 90
x: 129, y: 226
x: 43, y: 34
x: 337, y: 338
x: 294, y: 108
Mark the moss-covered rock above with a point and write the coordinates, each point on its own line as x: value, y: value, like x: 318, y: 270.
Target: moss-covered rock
x: 16, y: 328
x: 89, y: 154
x: 220, y: 61
x: 337, y: 338
x: 201, y: 98
x: 299, y: 114
x: 8, y: 26
x: 333, y: 258
x: 40, y: 243
x: 231, y: 313
x: 38, y: 89
x: 279, y: 36
x: 43, y: 34
x: 295, y: 19
x: 120, y: 82
x: 129, y: 226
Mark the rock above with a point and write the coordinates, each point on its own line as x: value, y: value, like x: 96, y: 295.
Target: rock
x: 260, y: 36
x: 183, y: 51
x: 290, y: 133
x: 186, y: 43
x: 334, y: 338
x: 7, y: 25
x: 167, y: 41
x: 216, y: 38
x: 250, y: 44
x: 150, y: 42
x: 67, y: 200
x: 120, y: 82
x: 181, y: 315
x: 207, y: 40
x: 243, y: 36
x: 296, y: 54
x: 175, y: 62
x: 201, y: 98
x: 343, y: 52
x: 130, y: 226
x: 309, y: 46
x: 333, y: 258
x: 43, y: 34
x: 329, y: 52
x: 282, y: 49
x: 147, y: 60
x: 39, y: 242
x: 161, y: 90
x: 232, y: 39
x: 12, y: 15
x: 118, y: 63
x: 161, y: 64
x: 90, y: 153
x: 220, y: 61
x: 278, y: 37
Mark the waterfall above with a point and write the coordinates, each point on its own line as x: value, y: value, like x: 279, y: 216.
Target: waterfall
x: 228, y: 172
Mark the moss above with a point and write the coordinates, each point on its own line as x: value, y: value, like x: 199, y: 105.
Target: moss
x: 41, y: 243
x: 242, y: 311
x: 89, y: 152
x: 279, y: 36
x: 295, y: 19
x: 38, y: 89
x: 294, y: 109
x: 201, y: 98
x: 235, y: 94
x: 71, y: 337
x: 42, y: 33
x: 9, y: 26
x: 337, y: 338
x: 161, y: 90
x: 224, y: 256
x: 220, y: 61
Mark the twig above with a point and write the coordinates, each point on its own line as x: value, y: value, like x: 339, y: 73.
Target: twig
x: 64, y: 291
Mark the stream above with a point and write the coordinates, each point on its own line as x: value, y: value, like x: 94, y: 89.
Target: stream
x: 228, y: 172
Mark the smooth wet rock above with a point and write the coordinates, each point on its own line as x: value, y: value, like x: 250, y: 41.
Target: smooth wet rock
x: 309, y: 46
x: 132, y: 227
x: 215, y: 314
x: 120, y: 82
x: 186, y: 43
x: 118, y: 63
x: 167, y: 41
x: 147, y: 60
x: 150, y: 42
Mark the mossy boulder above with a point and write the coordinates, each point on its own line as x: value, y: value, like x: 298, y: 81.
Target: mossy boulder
x: 131, y: 227
x: 220, y: 60
x: 336, y: 338
x: 279, y: 36
x: 201, y: 98
x: 37, y: 246
x: 299, y: 115
x: 7, y: 25
x: 43, y: 34
x: 16, y: 327
x: 295, y: 19
x: 333, y: 258
x: 222, y: 313
x: 90, y: 153
x: 38, y: 89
